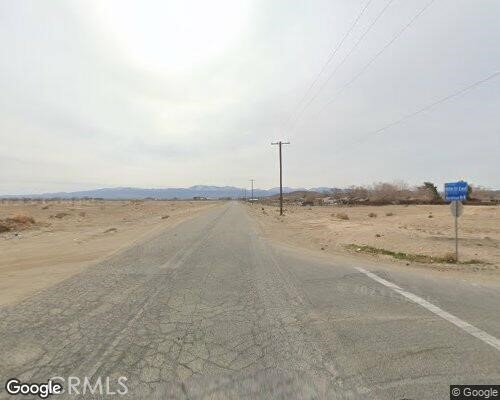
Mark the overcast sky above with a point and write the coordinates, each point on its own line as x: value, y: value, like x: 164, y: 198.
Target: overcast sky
x: 177, y: 93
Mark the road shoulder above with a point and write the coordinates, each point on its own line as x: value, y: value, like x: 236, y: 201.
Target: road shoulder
x: 39, y: 260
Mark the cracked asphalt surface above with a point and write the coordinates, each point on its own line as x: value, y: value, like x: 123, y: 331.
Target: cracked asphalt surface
x: 211, y: 310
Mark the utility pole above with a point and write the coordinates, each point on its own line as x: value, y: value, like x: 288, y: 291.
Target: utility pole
x: 280, y: 143
x: 251, y: 198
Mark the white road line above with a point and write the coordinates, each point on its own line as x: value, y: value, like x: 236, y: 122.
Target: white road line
x: 465, y: 326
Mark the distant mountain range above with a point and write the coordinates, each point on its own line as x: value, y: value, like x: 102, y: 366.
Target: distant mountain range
x: 212, y: 192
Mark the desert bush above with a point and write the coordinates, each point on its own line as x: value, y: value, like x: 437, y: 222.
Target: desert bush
x: 310, y: 197
x: 309, y: 200
x: 372, y: 215
x: 82, y: 214
x: 484, y: 194
x: 351, y: 194
x: 384, y: 191
x: 22, y: 219
x: 111, y: 230
x: 61, y: 215
x: 449, y: 258
x: 342, y: 216
x: 431, y: 192
x: 400, y: 192
x: 165, y: 216
x: 389, y: 214
x: 4, y: 228
x: 19, y: 221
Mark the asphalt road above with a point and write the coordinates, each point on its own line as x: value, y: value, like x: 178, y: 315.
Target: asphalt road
x: 210, y: 309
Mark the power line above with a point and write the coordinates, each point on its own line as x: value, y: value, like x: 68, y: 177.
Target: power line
x: 330, y: 58
x: 437, y: 102
x: 376, y: 56
x: 431, y: 105
x: 347, y: 56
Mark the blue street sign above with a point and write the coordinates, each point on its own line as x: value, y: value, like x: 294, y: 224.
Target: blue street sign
x: 455, y: 191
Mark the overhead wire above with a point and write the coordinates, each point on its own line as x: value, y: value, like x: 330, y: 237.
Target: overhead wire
x: 376, y: 56
x: 435, y: 103
x: 429, y: 106
x: 329, y: 60
x: 330, y: 76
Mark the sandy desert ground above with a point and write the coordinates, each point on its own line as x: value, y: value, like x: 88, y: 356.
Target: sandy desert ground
x: 68, y: 236
x: 423, y: 230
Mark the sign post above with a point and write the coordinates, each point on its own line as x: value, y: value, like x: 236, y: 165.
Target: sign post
x: 456, y: 192
x: 457, y: 209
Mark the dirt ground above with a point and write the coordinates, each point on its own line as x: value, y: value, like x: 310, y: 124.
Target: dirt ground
x: 419, y: 230
x: 68, y: 236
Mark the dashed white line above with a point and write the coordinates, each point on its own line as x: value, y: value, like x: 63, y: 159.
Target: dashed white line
x: 465, y: 326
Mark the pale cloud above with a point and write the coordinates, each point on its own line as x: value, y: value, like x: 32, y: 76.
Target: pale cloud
x: 164, y: 93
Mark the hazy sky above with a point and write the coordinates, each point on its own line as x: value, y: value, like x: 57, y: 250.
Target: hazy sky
x: 176, y: 93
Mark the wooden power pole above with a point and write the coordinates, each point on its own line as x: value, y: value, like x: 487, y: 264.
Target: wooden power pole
x: 279, y: 144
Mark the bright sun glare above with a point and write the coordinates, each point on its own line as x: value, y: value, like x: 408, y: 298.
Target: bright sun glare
x: 173, y: 36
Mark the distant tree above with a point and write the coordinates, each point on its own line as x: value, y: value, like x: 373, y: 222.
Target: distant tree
x: 484, y: 194
x: 309, y: 199
x: 357, y: 192
x: 432, y: 190
x: 384, y: 191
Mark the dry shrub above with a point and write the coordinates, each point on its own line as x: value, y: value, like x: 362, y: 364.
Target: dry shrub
x: 111, y: 230
x: 4, y: 228
x: 61, y: 215
x: 352, y: 193
x: 384, y: 191
x: 21, y: 219
x: 82, y: 214
x: 389, y: 214
x: 449, y: 258
x: 165, y: 217
x: 372, y: 215
x: 484, y: 194
x: 309, y: 199
x: 45, y: 207
x: 428, y: 192
x: 342, y: 216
